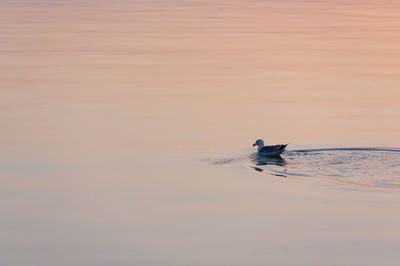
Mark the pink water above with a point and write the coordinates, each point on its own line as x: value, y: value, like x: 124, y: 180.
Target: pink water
x: 111, y: 112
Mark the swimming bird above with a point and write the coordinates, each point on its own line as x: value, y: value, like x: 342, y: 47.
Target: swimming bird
x: 269, y: 150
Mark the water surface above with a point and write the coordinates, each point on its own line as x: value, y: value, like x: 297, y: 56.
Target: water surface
x: 108, y: 109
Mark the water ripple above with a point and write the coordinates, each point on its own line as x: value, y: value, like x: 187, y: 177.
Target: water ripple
x: 370, y: 168
x: 356, y: 167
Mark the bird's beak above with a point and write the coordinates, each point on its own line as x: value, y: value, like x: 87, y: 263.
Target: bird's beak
x: 254, y: 144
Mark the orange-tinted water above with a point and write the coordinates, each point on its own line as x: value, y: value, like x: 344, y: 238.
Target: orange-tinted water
x: 108, y: 109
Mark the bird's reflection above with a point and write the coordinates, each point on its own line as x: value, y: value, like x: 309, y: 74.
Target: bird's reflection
x: 258, y: 159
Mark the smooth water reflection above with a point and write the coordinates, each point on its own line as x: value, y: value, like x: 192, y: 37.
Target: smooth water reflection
x: 107, y: 107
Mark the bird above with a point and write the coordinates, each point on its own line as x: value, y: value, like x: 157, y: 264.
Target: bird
x: 269, y: 150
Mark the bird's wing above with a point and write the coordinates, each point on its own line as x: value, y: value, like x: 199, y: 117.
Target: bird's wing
x: 273, y: 148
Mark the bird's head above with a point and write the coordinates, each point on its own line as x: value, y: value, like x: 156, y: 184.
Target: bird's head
x: 259, y: 143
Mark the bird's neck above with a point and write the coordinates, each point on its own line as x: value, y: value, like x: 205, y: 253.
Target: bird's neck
x: 260, y: 147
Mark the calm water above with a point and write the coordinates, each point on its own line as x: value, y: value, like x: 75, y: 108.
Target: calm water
x: 126, y: 129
